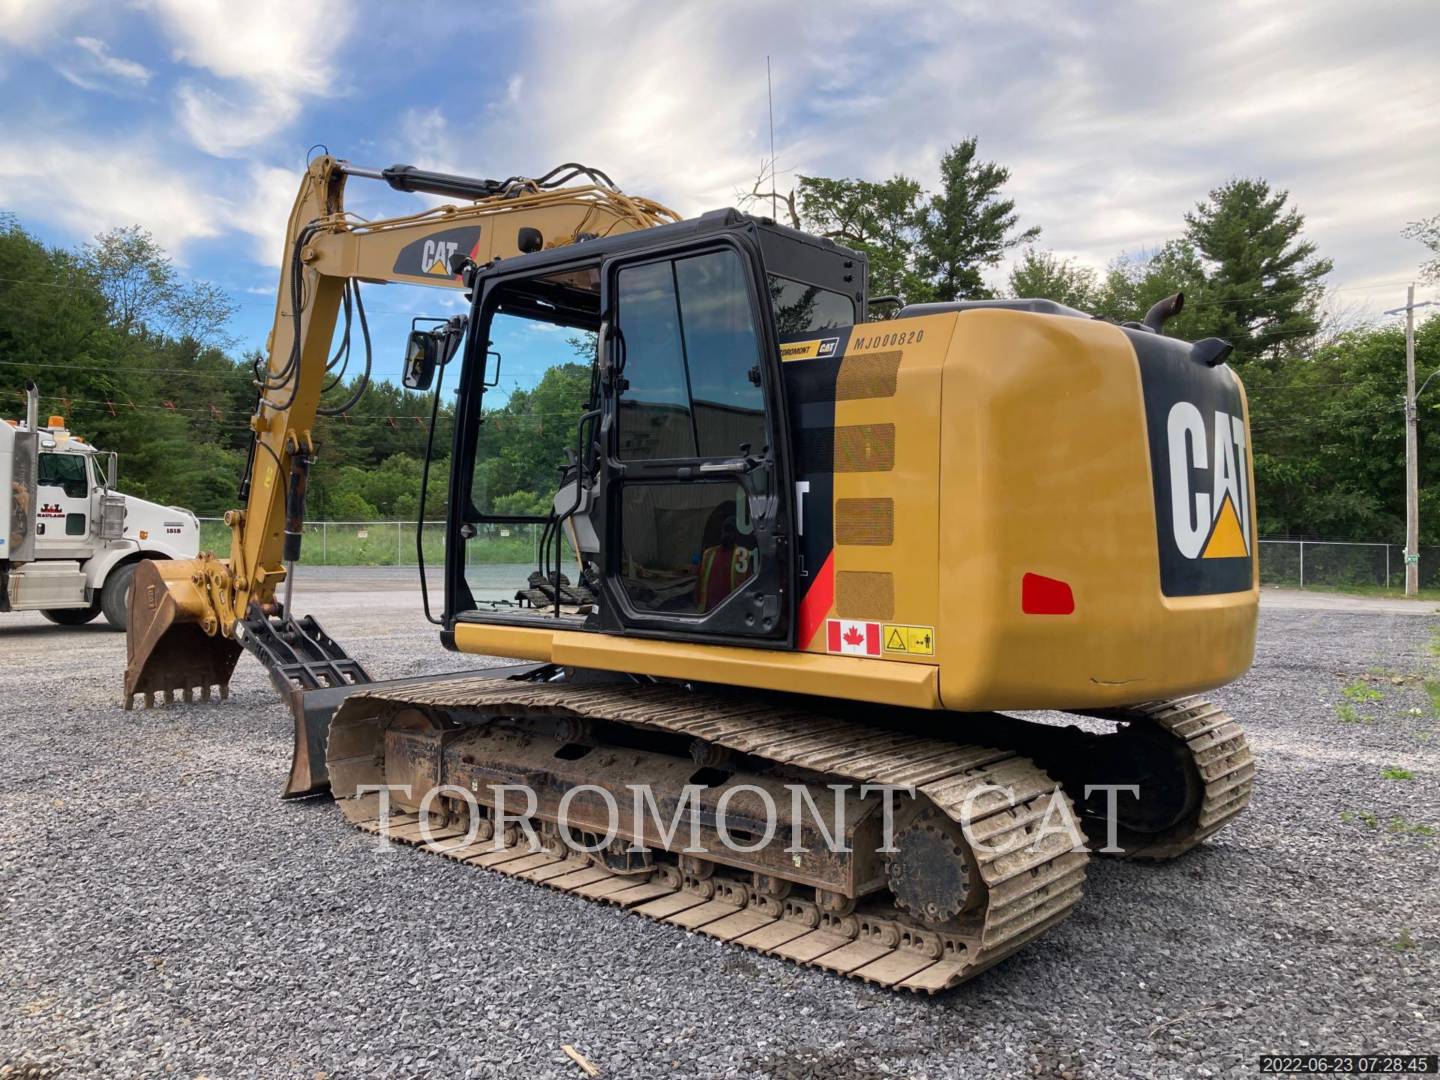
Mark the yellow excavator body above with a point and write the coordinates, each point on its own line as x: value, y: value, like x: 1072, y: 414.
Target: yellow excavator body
x: 983, y: 459
x: 820, y: 560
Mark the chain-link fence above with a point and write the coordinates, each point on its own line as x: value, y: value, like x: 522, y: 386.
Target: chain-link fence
x: 1339, y: 564
x: 1293, y: 563
x: 392, y: 543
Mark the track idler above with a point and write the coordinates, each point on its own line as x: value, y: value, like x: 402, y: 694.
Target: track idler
x: 1178, y: 772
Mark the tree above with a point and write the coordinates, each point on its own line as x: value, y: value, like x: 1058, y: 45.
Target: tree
x: 1262, y: 278
x: 881, y: 219
x: 764, y: 198
x: 967, y: 226
x: 1328, y: 431
x: 1135, y: 283
x: 147, y: 295
x: 1427, y: 231
x: 1045, y: 275
x: 522, y: 444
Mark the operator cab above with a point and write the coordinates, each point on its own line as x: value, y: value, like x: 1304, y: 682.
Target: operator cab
x: 621, y: 459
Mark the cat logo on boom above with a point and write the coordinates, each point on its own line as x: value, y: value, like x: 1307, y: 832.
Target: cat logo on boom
x: 430, y: 257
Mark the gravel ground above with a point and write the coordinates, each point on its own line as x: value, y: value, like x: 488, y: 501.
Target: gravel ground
x: 161, y: 912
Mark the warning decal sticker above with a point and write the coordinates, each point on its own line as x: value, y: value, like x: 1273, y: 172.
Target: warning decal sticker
x: 911, y: 640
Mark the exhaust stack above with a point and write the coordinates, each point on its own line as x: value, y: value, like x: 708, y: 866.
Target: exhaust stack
x: 32, y: 405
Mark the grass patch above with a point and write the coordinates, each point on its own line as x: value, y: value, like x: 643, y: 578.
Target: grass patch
x: 1404, y: 942
x: 1348, y: 714
x: 1357, y: 691
x: 1394, y: 772
x: 1368, y: 818
x: 1406, y: 828
x: 1432, y: 691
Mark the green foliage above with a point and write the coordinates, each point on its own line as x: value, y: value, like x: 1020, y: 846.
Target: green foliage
x: 1262, y: 282
x: 1134, y: 284
x: 127, y: 352
x: 146, y: 294
x: 1330, y: 443
x: 523, y: 443
x: 881, y: 219
x: 934, y: 247
x: 1427, y: 231
x: 88, y: 343
x: 1394, y: 772
x: 968, y: 226
x: 1348, y: 714
x: 1407, y: 828
x: 1044, y: 275
x: 1368, y: 818
x: 389, y: 491
x: 1359, y: 691
x: 1404, y: 942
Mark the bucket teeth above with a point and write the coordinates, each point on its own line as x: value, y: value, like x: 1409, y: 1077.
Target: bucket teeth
x: 187, y: 692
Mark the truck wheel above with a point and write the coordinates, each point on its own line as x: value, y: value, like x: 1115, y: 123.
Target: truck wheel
x: 115, y: 597
x: 72, y: 616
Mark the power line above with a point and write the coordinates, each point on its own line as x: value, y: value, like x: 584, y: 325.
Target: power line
x: 94, y: 291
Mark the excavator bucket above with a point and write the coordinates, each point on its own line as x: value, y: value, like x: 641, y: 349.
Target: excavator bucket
x: 168, y: 650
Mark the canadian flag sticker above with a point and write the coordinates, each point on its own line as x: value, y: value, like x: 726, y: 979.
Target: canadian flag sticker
x: 853, y: 638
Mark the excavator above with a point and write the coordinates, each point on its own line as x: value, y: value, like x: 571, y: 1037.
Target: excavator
x: 948, y: 577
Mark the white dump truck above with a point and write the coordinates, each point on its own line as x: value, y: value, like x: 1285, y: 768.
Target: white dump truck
x: 69, y: 541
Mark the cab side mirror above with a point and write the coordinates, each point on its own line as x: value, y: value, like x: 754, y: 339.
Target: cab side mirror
x: 421, y: 359
x: 112, y: 471
x: 426, y: 350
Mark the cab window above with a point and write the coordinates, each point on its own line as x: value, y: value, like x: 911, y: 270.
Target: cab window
x: 692, y: 354
x: 800, y: 308
x: 691, y: 388
x: 66, y: 471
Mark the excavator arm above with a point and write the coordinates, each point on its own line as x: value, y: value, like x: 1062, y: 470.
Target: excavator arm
x: 189, y: 620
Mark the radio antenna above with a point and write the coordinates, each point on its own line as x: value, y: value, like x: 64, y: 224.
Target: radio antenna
x: 770, y: 95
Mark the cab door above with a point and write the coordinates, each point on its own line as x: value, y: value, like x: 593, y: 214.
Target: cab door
x: 63, y: 507
x: 694, y: 487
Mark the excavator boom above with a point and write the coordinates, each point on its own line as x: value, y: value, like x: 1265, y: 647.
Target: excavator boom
x: 190, y: 619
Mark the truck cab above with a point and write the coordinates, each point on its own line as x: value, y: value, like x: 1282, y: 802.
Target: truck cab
x: 69, y: 541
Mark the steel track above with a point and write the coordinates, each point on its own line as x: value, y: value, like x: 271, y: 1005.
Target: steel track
x: 1032, y: 877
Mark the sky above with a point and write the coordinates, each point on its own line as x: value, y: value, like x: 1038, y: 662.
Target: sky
x: 193, y: 118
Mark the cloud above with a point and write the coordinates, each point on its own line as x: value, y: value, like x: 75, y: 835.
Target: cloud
x: 670, y: 100
x: 87, y: 188
x: 91, y: 66
x: 263, y: 212
x: 261, y: 61
x: 30, y: 22
x: 1113, y: 123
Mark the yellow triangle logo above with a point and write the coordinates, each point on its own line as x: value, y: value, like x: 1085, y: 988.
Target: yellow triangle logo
x: 439, y: 267
x: 1227, y: 541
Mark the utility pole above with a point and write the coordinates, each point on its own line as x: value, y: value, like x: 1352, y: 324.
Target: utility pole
x: 1412, y: 451
x: 1412, y: 455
